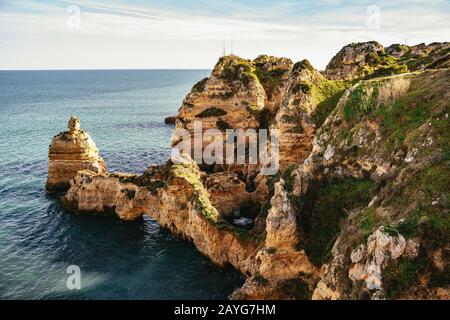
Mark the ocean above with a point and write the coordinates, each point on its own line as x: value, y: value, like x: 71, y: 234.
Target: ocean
x: 124, y: 111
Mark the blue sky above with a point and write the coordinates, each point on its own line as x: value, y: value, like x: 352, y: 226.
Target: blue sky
x: 192, y: 34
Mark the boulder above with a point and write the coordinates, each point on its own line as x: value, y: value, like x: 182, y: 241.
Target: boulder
x: 70, y: 152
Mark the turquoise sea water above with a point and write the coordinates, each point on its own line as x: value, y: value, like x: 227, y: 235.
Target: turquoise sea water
x: 124, y: 112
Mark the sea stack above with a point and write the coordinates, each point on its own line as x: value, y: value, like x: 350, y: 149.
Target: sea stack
x: 70, y: 152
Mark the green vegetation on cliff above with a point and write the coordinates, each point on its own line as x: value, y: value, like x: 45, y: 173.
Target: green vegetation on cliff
x: 327, y: 93
x: 191, y: 175
x: 144, y: 180
x: 322, y: 209
x: 199, y: 86
x: 234, y: 68
x: 263, y: 116
x: 270, y: 71
x: 211, y: 112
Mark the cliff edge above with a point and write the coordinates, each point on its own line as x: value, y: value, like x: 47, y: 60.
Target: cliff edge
x: 360, y: 206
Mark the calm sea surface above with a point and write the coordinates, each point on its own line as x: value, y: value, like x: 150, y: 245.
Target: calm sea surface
x: 124, y: 112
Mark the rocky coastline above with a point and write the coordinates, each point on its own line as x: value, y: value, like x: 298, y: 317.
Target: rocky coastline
x: 360, y: 206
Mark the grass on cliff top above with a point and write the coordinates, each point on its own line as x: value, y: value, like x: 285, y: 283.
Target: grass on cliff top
x: 325, y: 94
x: 424, y: 102
x: 235, y: 68
x: 401, y: 105
x: 270, y: 79
x: 434, y: 59
x: 381, y: 65
x: 322, y: 209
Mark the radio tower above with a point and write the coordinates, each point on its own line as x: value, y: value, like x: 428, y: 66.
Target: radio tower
x: 223, y: 49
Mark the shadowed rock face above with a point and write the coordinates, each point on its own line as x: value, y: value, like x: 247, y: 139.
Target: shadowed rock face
x: 70, y: 152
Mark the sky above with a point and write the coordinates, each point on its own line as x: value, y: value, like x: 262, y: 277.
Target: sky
x: 173, y: 34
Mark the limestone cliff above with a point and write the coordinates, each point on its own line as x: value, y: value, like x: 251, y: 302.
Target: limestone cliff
x: 226, y: 98
x: 374, y: 191
x: 172, y: 194
x: 70, y: 152
x: 370, y: 59
x: 360, y: 206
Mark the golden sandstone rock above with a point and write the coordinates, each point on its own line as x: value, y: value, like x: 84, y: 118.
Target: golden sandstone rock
x: 70, y: 152
x: 335, y: 159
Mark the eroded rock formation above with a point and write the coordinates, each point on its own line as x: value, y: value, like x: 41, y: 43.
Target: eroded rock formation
x: 359, y: 208
x: 171, y: 194
x: 70, y: 152
x: 370, y: 59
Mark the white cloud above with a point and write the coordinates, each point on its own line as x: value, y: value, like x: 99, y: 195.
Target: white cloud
x: 119, y: 35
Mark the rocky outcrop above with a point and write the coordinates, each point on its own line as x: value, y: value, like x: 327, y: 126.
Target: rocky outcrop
x: 170, y: 120
x: 171, y: 194
x: 229, y: 98
x: 280, y: 269
x: 304, y: 107
x: 351, y: 59
x: 370, y: 59
x: 273, y: 73
x: 422, y: 56
x: 359, y: 208
x: 368, y: 260
x: 377, y: 254
x: 70, y: 152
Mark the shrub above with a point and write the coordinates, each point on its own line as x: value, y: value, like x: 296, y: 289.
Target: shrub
x: 294, y: 289
x: 366, y: 220
x: 270, y: 80
x: 302, y: 86
x: 392, y: 89
x: 288, y: 178
x: 322, y: 209
x: 199, y: 86
x: 201, y: 196
x: 263, y: 116
x: 235, y: 68
x: 360, y: 102
x: 260, y: 280
x: 211, y: 112
x: 400, y: 276
x: 327, y: 94
x: 222, y: 125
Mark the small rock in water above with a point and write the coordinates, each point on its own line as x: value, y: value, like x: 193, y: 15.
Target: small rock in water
x: 170, y: 120
x: 237, y: 213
